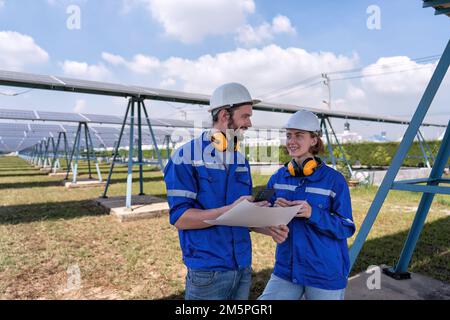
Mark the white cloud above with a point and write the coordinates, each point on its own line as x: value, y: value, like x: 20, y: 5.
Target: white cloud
x: 262, y: 70
x: 402, y: 75
x: 18, y: 50
x: 80, y: 106
x: 271, y: 69
x: 282, y: 24
x: 190, y: 21
x: 2, y: 3
x: 83, y: 70
x: 140, y: 63
x: 248, y: 35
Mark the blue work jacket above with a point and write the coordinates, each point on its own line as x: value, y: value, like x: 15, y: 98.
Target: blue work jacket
x: 315, y: 253
x: 199, y: 176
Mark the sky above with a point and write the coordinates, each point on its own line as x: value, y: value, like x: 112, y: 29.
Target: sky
x: 197, y: 45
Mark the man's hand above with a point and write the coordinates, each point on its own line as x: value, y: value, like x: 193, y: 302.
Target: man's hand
x: 278, y: 234
x: 235, y: 203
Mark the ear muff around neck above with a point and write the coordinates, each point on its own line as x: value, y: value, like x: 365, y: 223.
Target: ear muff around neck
x: 220, y: 142
x: 306, y: 168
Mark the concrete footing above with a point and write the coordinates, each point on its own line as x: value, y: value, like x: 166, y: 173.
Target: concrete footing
x: 375, y: 177
x: 83, y: 184
x: 375, y: 285
x: 51, y: 174
x: 143, y: 207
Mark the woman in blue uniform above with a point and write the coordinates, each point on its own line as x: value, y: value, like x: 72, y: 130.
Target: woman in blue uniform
x: 313, y: 262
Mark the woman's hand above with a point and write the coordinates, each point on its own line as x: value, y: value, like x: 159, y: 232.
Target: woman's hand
x: 262, y: 204
x: 305, y: 209
x: 281, y: 202
x: 278, y: 234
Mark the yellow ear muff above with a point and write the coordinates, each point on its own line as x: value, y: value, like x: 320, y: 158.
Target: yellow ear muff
x: 308, y: 166
x: 236, y: 144
x: 291, y: 168
x: 220, y: 142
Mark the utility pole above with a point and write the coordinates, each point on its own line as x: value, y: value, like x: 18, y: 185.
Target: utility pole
x: 326, y: 82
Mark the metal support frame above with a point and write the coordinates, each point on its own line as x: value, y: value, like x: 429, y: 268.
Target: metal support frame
x: 431, y: 187
x: 76, y: 152
x: 49, y: 142
x: 425, y: 149
x: 42, y: 146
x: 325, y: 124
x: 135, y: 108
x: 167, y: 142
x: 55, y: 163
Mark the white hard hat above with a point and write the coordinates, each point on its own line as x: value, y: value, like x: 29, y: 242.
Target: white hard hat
x: 304, y: 120
x: 229, y: 95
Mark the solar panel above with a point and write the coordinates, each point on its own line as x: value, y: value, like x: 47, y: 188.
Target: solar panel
x: 17, y: 114
x: 106, y: 130
x: 69, y: 128
x: 88, y: 86
x: 12, y: 133
x: 103, y: 118
x: 13, y: 127
x: 45, y: 127
x: 172, y: 122
x: 17, y: 78
x: 60, y: 116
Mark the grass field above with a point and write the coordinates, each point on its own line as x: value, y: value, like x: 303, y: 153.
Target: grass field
x: 46, y: 230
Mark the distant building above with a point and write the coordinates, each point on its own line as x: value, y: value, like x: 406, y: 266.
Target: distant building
x: 379, y: 137
x: 347, y: 136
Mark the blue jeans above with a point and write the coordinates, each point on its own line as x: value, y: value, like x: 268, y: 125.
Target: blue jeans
x: 280, y: 289
x: 218, y: 285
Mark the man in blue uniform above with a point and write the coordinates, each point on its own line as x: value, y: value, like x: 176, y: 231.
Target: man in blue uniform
x: 204, y: 179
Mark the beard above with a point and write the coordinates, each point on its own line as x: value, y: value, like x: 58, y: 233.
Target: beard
x: 235, y: 130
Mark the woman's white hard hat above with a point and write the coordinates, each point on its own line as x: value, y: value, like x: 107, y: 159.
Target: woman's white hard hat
x: 304, y: 120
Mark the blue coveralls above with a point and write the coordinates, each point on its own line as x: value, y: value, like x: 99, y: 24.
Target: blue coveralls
x: 315, y: 254
x: 198, y: 177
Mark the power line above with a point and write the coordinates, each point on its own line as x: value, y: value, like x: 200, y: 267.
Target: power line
x: 288, y: 89
x: 374, y: 67
x: 282, y: 94
x: 379, y: 74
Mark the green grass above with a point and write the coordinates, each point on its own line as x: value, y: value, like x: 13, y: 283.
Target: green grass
x: 45, y: 229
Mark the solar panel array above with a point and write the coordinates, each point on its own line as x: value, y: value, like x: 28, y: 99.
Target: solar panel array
x: 84, y: 117
x: 60, y: 116
x: 28, y: 80
x: 17, y: 114
x: 20, y: 136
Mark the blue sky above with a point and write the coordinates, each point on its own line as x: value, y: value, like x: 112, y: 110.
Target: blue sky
x: 197, y: 45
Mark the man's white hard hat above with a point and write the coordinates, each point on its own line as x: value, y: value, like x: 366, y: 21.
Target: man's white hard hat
x: 304, y: 120
x: 230, y: 95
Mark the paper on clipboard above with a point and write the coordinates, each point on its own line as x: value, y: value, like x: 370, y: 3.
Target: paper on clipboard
x: 247, y: 214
